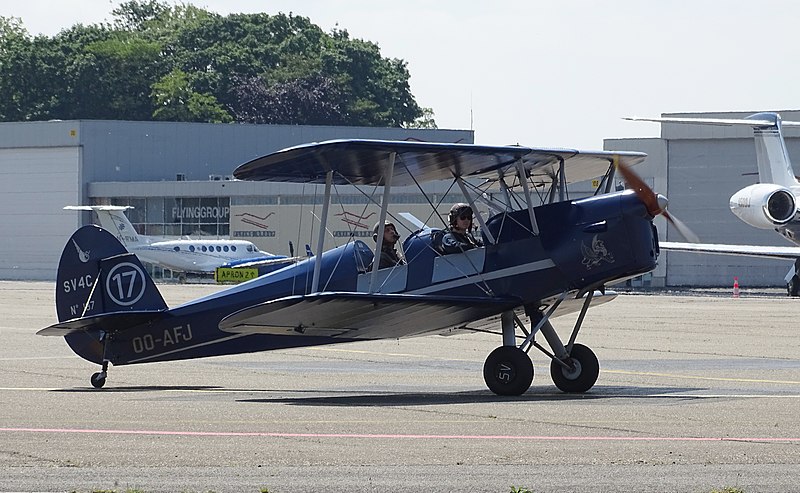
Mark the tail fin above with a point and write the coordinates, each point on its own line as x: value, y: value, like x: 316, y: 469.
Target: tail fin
x: 774, y: 165
x: 97, y: 275
x: 112, y: 218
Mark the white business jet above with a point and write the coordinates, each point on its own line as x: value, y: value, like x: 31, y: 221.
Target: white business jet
x: 769, y: 204
x: 191, y: 256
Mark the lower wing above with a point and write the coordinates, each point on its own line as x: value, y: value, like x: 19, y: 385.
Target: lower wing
x: 362, y: 315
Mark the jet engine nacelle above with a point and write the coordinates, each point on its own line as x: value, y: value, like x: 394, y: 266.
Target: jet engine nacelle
x: 764, y: 205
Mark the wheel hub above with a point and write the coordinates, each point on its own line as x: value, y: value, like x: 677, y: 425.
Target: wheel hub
x: 573, y: 369
x: 504, y: 372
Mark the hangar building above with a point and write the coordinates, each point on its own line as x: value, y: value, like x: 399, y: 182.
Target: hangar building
x: 176, y: 175
x: 178, y: 178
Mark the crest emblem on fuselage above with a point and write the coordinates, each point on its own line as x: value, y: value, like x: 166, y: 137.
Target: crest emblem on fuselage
x: 596, y: 254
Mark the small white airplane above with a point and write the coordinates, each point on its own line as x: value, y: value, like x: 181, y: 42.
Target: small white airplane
x: 772, y: 203
x: 191, y: 256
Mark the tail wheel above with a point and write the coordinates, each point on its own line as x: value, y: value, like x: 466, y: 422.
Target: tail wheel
x: 508, y: 371
x: 98, y: 379
x: 582, y: 372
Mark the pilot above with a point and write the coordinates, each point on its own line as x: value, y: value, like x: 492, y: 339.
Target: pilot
x: 389, y: 256
x: 458, y: 237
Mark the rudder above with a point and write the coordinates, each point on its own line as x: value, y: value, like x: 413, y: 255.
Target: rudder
x: 96, y: 275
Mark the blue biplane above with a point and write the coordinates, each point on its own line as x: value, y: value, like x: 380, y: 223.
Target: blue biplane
x: 537, y: 262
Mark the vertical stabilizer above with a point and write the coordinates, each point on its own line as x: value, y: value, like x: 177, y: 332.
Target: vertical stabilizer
x: 774, y: 165
x: 112, y: 218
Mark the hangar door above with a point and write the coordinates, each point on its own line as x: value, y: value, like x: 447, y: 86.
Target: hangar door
x: 35, y: 184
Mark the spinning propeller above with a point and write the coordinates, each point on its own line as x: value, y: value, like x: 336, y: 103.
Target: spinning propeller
x: 655, y: 203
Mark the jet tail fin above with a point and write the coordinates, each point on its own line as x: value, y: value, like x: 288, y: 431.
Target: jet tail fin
x: 774, y: 165
x: 112, y: 218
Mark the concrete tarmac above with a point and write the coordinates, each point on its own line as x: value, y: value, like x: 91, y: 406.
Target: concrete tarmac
x: 695, y: 393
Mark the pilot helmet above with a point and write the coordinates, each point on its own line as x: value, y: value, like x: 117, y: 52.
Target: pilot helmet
x: 378, y: 228
x: 458, y: 210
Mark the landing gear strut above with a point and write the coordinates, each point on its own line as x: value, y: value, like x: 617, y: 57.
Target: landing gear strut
x: 99, y: 379
x: 793, y: 280
x: 573, y: 367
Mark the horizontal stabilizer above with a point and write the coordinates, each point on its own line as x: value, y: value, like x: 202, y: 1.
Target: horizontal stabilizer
x: 362, y: 315
x: 97, y: 207
x: 107, y: 322
x: 745, y: 122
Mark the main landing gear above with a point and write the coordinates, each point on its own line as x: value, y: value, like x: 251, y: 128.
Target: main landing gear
x: 573, y: 367
x: 793, y: 280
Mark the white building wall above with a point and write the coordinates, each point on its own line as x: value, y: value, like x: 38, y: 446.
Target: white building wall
x: 35, y: 184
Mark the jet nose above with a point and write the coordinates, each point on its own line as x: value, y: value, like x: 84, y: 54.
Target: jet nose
x: 662, y: 201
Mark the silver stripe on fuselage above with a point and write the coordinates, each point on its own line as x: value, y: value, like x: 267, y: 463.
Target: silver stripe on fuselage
x: 489, y: 276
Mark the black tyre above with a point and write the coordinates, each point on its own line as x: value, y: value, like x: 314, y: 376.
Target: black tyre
x: 793, y: 287
x: 582, y: 374
x: 508, y: 371
x: 98, y: 379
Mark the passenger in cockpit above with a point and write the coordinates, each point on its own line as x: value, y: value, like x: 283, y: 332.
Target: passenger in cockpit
x: 458, y: 237
x: 388, y: 255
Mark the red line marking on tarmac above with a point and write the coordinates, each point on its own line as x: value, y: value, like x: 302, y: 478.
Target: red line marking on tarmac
x: 402, y: 436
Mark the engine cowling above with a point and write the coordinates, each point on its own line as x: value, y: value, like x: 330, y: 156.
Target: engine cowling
x: 764, y: 205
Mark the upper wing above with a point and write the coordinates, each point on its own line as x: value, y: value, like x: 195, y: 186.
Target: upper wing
x: 786, y: 252
x: 362, y: 315
x: 364, y: 162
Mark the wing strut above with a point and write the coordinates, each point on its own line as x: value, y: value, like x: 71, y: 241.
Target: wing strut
x: 387, y: 188
x: 524, y: 182
x: 562, y: 180
x: 322, y: 227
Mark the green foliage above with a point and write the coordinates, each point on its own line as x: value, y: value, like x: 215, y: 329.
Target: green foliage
x: 520, y: 489
x: 176, y: 101
x: 157, y: 61
x: 424, y: 121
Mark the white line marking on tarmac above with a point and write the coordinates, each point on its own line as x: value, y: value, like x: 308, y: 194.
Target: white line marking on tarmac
x: 401, y: 436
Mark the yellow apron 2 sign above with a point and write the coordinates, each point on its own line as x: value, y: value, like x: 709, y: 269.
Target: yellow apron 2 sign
x: 232, y: 274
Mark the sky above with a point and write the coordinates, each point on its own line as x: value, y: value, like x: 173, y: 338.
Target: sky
x: 548, y: 73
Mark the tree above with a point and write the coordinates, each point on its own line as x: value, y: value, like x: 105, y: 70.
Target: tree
x: 183, y: 63
x: 28, y: 74
x: 313, y: 100
x: 424, y: 121
x: 176, y: 101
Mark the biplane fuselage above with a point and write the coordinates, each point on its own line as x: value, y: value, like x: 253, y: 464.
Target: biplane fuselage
x: 533, y: 260
x: 582, y: 244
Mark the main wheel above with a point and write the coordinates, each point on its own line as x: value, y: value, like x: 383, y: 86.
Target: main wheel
x: 508, y: 371
x: 582, y: 372
x: 98, y: 379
